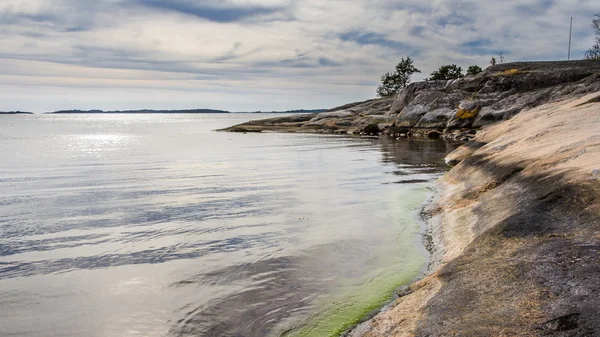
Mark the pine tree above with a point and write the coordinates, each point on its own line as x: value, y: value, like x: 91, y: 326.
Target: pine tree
x: 392, y: 83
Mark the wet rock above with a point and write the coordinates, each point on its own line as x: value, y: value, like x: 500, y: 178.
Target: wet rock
x: 371, y: 129
x: 434, y: 134
x: 403, y: 291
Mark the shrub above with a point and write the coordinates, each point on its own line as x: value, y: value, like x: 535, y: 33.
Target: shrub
x: 594, y: 52
x: 448, y: 72
x: 474, y: 70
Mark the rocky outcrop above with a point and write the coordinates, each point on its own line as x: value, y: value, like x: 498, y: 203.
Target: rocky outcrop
x: 450, y: 109
x: 499, y: 93
x: 516, y: 231
x: 349, y: 118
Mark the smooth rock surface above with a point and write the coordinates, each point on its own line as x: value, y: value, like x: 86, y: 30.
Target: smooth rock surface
x: 516, y: 231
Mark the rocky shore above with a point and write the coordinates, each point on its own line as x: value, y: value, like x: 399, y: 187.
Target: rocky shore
x: 515, y: 224
x: 448, y: 109
x: 516, y: 231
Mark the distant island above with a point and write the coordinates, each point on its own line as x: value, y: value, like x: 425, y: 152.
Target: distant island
x: 291, y: 111
x: 185, y: 111
x: 151, y: 111
x: 143, y: 111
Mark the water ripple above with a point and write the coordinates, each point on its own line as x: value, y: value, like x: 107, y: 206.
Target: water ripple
x: 155, y: 225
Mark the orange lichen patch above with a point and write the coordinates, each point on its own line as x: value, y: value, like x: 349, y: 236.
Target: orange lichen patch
x: 509, y: 72
x: 467, y: 114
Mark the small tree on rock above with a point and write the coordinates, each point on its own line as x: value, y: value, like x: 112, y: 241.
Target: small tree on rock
x: 594, y: 52
x: 448, y: 72
x: 392, y: 83
x: 474, y: 70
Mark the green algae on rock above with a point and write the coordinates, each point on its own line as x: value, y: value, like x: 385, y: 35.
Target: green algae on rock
x: 356, y: 301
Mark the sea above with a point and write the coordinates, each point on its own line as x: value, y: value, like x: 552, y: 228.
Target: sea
x: 156, y: 225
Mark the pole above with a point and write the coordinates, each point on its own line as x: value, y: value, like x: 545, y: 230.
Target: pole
x: 570, y: 34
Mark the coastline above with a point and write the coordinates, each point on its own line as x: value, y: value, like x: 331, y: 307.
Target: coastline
x: 449, y: 109
x: 515, y: 224
x: 515, y: 231
x: 356, y: 303
x: 429, y: 241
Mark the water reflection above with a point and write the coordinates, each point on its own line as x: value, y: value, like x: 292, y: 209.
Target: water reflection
x: 274, y: 290
x: 96, y: 144
x: 157, y: 226
x: 415, y: 152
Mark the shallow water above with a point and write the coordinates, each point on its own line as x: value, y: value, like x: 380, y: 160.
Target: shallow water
x: 154, y: 225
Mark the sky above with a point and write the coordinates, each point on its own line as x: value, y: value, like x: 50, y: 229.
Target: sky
x: 248, y: 55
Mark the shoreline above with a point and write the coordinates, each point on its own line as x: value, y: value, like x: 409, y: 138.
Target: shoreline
x: 447, y: 109
x: 383, y: 287
x: 427, y: 242
x: 513, y: 253
x: 515, y: 224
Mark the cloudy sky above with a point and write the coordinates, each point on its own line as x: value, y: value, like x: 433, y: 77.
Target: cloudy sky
x: 258, y: 54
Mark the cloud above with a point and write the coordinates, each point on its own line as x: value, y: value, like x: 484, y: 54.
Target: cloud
x: 42, y: 20
x: 216, y: 13
x: 454, y: 19
x: 325, y: 62
x: 535, y: 8
x: 371, y: 38
x: 481, y: 47
x: 333, y: 51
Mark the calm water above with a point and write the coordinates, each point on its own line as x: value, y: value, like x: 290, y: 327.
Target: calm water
x: 153, y: 225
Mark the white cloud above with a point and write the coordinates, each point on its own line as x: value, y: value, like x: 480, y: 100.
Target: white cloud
x: 235, y: 55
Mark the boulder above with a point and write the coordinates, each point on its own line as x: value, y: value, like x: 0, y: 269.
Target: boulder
x: 371, y: 129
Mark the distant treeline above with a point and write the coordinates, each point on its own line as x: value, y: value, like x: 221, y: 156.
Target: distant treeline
x: 191, y: 111
x: 144, y: 111
x: 294, y: 111
x: 150, y: 111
